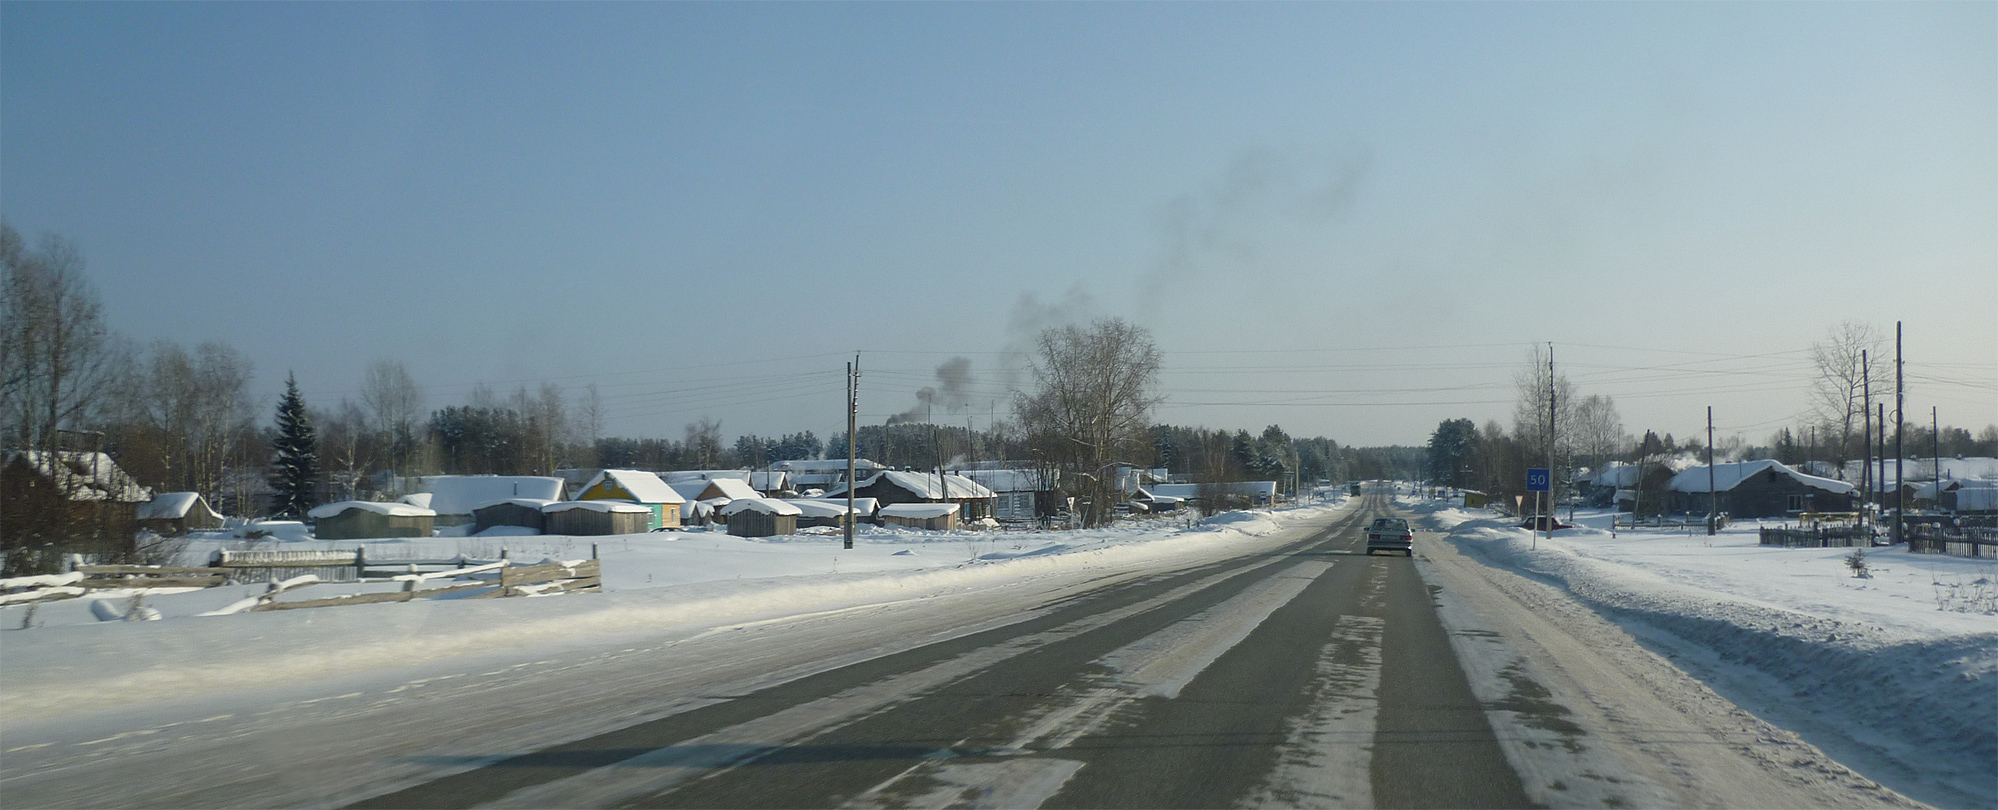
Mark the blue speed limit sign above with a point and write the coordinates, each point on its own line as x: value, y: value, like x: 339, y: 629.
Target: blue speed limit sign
x: 1537, y: 480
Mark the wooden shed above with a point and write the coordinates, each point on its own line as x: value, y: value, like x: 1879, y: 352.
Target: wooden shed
x: 935, y: 516
x: 596, y: 517
x: 820, y: 513
x: 172, y: 514
x: 359, y: 520
x: 523, y: 512
x: 761, y: 517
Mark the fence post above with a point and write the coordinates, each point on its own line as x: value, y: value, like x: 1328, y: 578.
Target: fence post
x: 593, y: 551
x: 360, y: 562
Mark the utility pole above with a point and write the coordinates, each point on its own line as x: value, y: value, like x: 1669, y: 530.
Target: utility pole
x: 1935, y: 449
x: 1900, y: 403
x: 852, y: 415
x: 1713, y: 494
x: 1880, y: 452
x: 1552, y: 474
x: 1865, y: 439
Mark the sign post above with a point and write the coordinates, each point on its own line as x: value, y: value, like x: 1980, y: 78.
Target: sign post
x: 1538, y: 480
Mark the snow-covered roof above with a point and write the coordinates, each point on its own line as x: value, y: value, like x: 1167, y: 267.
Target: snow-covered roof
x: 377, y: 507
x: 1011, y: 480
x: 85, y: 476
x: 173, y: 506
x: 1620, y: 476
x: 919, y: 510
x: 1924, y: 469
x: 421, y: 499
x: 1727, y: 476
x: 460, y: 494
x: 677, y: 476
x: 731, y: 488
x: 814, y: 508
x: 1265, y: 489
x: 861, y: 466
x: 924, y: 485
x: 643, y: 486
x: 529, y: 503
x: 594, y: 506
x: 689, y: 490
x: 1154, y: 497
x: 767, y: 506
x: 865, y: 506
x: 766, y: 480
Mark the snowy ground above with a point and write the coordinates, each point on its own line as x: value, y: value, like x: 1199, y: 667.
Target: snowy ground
x: 63, y: 657
x: 1892, y: 674
x: 1895, y: 674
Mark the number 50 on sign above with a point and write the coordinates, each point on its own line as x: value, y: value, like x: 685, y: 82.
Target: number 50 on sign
x: 1537, y: 480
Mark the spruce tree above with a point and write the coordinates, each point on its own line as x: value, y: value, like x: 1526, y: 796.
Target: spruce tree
x: 295, y: 469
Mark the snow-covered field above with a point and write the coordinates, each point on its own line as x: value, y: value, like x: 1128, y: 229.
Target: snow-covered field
x: 1895, y: 674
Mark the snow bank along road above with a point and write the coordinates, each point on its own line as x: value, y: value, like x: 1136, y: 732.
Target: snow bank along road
x: 1293, y: 671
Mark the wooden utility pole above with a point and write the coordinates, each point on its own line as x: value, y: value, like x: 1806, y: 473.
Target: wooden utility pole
x: 1713, y: 494
x: 1552, y: 475
x: 1935, y: 449
x: 1900, y: 403
x: 852, y: 415
x: 1866, y: 438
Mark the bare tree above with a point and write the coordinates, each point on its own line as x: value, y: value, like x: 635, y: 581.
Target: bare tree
x: 704, y: 446
x: 1599, y: 433
x: 1529, y: 414
x: 1092, y: 405
x: 54, y: 369
x: 1839, y: 384
x: 588, y: 425
x: 391, y: 397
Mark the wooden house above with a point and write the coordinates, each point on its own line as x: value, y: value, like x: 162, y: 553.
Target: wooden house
x: 760, y: 517
x: 596, y: 517
x: 1756, y: 489
x: 522, y: 512
x: 934, y: 516
x: 896, y: 487
x: 639, y: 487
x: 1020, y: 494
x: 81, y: 501
x: 172, y: 514
x: 358, y: 520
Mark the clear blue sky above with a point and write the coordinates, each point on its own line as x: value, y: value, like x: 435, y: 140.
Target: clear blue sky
x: 703, y: 207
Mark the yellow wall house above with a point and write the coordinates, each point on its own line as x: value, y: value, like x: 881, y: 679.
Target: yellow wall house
x: 639, y: 487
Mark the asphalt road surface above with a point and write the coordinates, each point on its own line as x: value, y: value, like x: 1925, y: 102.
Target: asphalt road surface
x: 1304, y: 673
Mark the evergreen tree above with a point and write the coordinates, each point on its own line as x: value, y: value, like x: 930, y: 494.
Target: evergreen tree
x: 295, y: 469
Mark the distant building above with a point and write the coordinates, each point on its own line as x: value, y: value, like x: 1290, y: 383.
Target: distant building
x: 455, y: 497
x: 934, y: 516
x: 171, y: 514
x: 598, y: 517
x: 360, y: 520
x: 1755, y: 489
x: 761, y: 517
x: 895, y: 487
x: 81, y: 500
x: 639, y: 487
x: 522, y: 512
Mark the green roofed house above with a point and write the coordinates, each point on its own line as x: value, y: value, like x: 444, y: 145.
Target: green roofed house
x: 639, y: 487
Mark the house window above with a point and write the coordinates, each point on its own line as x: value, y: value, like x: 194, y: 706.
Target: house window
x: 1799, y: 503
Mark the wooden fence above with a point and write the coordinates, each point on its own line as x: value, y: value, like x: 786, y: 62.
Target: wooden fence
x: 1842, y: 537
x: 291, y: 570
